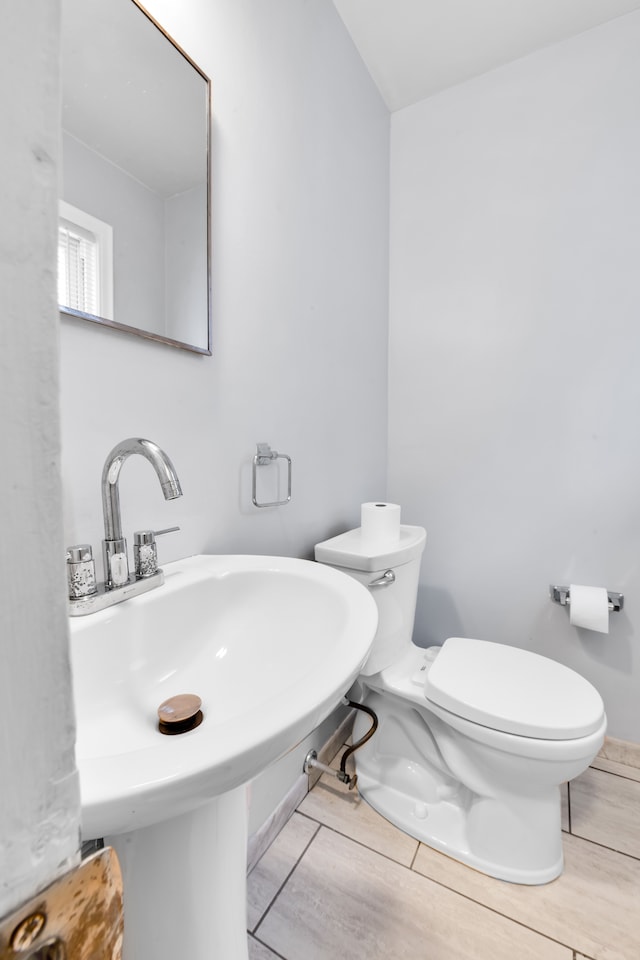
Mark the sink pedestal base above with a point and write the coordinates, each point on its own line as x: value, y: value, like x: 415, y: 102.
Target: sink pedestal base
x: 185, y: 884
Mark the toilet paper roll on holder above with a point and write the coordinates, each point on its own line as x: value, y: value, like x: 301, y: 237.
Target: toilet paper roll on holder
x: 562, y: 595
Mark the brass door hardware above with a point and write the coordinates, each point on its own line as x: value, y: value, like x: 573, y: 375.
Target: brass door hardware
x: 78, y: 917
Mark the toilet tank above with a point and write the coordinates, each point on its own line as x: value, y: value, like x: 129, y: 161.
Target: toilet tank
x: 396, y: 600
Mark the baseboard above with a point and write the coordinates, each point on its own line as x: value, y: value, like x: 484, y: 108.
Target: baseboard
x: 260, y: 841
x: 333, y: 744
x: 621, y: 751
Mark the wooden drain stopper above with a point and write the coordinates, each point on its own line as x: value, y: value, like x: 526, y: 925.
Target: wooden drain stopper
x: 180, y: 713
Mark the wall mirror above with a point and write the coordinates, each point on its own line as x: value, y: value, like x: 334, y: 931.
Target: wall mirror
x: 134, y: 241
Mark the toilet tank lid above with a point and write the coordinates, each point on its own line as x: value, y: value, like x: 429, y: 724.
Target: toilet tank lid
x: 351, y: 550
x: 513, y: 690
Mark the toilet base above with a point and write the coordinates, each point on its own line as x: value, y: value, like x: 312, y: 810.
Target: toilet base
x: 446, y: 825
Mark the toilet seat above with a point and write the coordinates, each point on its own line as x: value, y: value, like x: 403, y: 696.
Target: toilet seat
x: 541, y: 698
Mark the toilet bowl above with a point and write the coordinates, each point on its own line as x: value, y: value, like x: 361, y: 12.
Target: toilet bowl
x: 474, y: 737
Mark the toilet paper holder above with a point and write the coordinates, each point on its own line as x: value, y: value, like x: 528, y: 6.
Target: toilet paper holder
x: 562, y: 595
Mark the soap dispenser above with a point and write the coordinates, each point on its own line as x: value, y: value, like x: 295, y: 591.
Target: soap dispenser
x: 81, y: 571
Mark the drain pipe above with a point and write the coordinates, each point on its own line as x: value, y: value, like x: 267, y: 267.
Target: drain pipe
x: 311, y: 760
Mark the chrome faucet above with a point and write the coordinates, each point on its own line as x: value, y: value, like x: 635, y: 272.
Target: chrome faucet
x: 114, y: 546
x: 85, y: 596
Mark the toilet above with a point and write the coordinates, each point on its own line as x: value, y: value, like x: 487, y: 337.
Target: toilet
x: 474, y: 737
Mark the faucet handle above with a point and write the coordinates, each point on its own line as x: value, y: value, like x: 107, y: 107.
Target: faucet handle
x: 160, y: 533
x: 141, y: 537
x: 145, y: 553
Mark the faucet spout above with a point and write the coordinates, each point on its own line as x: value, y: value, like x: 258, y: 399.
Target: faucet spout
x: 114, y: 547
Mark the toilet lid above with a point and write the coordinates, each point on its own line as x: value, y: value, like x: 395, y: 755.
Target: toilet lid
x: 513, y: 690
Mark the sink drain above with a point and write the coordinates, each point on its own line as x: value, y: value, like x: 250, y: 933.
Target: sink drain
x: 180, y: 714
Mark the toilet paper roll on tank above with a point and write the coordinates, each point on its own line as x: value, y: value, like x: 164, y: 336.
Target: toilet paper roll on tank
x: 380, y: 525
x: 589, y: 608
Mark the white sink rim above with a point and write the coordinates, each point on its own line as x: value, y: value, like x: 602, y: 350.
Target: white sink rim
x: 125, y: 792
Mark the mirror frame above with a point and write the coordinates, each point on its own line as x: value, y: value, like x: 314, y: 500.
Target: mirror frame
x: 137, y: 331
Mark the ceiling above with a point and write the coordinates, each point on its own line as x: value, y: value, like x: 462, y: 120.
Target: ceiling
x: 129, y: 95
x: 413, y: 48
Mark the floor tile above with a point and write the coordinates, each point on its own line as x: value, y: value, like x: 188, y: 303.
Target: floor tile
x: 592, y: 907
x: 613, y: 766
x: 604, y: 808
x: 272, y: 870
x: 344, y: 900
x: 332, y: 803
x: 257, y: 951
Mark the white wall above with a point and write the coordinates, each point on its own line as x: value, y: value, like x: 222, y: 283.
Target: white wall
x: 185, y: 259
x: 515, y: 351
x: 39, y: 798
x: 137, y: 215
x: 300, y: 305
x: 300, y: 208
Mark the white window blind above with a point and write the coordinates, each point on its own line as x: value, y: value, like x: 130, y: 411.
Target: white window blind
x: 85, y: 262
x: 77, y: 269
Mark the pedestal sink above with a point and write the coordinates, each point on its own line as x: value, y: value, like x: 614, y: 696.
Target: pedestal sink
x: 270, y: 645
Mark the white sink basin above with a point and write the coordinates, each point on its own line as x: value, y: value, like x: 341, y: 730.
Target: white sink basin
x: 270, y: 644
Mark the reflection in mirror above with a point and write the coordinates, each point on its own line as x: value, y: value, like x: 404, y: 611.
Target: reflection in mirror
x: 133, y: 248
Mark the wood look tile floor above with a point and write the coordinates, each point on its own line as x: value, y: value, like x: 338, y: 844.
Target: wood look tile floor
x: 339, y: 880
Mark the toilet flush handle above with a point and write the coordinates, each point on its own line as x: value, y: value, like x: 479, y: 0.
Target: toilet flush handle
x: 387, y: 577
